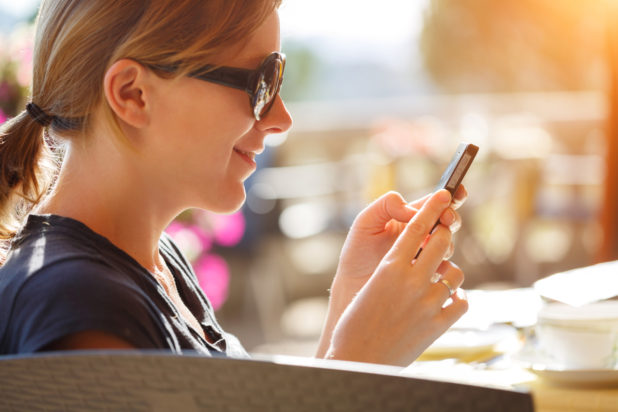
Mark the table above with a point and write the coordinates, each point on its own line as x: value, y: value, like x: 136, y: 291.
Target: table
x: 500, y: 366
x: 549, y: 396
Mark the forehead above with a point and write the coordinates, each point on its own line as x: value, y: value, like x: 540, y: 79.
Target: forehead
x: 263, y: 41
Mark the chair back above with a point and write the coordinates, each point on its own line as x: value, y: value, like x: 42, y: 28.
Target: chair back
x: 144, y: 381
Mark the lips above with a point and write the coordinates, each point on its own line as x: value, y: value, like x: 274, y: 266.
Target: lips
x: 250, y: 155
x: 247, y: 156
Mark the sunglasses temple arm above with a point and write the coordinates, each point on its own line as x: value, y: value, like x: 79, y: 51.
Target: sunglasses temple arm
x: 241, y: 79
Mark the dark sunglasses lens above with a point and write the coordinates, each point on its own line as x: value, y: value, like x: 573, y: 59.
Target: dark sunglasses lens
x: 267, y: 87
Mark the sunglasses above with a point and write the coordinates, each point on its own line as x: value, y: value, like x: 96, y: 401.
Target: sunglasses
x: 262, y: 84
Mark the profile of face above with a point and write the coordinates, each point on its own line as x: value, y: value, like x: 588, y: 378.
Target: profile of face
x: 202, y: 138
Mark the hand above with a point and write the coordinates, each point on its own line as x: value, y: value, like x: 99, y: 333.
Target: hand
x: 398, y: 311
x: 376, y: 228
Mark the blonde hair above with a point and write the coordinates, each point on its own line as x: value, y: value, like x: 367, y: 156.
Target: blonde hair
x: 76, y: 42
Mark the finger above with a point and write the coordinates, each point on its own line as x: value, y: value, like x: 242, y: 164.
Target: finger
x: 434, y: 251
x: 450, y: 252
x: 395, y: 207
x: 460, y: 197
x: 384, y: 209
x: 451, y: 219
x: 461, y: 194
x: 455, y: 309
x: 451, y: 279
x: 446, y: 266
x: 417, y: 229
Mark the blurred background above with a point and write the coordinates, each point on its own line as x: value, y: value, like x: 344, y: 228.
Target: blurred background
x: 381, y: 94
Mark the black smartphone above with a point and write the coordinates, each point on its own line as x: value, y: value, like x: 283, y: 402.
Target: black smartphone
x: 457, y: 167
x: 455, y: 172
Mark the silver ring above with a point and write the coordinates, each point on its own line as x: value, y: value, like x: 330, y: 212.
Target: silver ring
x: 448, y: 285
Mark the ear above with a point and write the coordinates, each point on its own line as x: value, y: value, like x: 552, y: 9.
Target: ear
x: 125, y: 87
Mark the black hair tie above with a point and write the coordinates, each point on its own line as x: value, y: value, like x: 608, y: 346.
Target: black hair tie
x: 39, y: 115
x: 14, y: 179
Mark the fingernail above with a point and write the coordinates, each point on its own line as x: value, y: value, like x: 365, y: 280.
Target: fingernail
x: 457, y: 202
x: 455, y: 226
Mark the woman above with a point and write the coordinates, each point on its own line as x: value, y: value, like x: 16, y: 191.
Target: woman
x: 148, y: 101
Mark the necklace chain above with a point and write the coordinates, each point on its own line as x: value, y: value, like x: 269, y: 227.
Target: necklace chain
x: 165, y: 278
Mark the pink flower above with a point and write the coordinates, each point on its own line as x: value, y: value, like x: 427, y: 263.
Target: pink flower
x: 227, y: 230
x: 213, y: 276
x: 3, y: 117
x: 191, y: 239
x: 194, y: 232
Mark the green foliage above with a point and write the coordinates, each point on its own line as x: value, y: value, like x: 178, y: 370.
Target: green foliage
x: 514, y: 45
x: 12, y: 94
x: 15, y: 71
x: 299, y: 70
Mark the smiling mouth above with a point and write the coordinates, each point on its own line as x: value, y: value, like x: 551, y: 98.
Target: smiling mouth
x: 249, y: 156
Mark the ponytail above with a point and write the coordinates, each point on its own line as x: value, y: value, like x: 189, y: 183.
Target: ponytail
x: 26, y: 172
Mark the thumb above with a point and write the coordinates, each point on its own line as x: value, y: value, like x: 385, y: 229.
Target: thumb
x: 384, y: 209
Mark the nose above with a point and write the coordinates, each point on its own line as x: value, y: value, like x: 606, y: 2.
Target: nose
x: 277, y: 120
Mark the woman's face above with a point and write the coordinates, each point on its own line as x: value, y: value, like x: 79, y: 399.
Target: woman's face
x: 204, y: 137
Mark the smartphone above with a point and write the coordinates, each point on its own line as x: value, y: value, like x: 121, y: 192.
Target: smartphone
x: 455, y: 172
x: 457, y: 167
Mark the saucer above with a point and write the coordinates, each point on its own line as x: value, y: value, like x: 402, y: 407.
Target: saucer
x: 579, y: 377
x: 551, y: 370
x: 458, y: 343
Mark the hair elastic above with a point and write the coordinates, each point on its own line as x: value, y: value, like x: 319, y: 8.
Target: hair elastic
x: 13, y: 180
x: 38, y: 114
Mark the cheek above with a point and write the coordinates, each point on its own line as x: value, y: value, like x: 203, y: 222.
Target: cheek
x: 199, y: 123
x: 218, y: 126
x: 208, y: 152
x: 207, y: 102
x: 214, y: 104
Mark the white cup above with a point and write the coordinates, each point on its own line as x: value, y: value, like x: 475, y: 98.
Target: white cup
x: 584, y: 337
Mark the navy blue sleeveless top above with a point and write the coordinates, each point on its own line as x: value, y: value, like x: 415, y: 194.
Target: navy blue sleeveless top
x: 61, y: 278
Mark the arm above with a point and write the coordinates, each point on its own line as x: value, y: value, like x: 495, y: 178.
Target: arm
x: 82, y: 304
x: 90, y: 339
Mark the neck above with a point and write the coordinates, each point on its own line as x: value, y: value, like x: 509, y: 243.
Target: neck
x: 112, y: 196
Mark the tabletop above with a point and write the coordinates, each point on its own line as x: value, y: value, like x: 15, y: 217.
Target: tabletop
x: 493, y: 345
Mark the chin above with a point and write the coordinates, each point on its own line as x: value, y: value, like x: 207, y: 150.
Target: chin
x: 228, y: 203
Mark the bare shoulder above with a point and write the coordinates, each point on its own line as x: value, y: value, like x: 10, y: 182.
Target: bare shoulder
x: 89, y: 339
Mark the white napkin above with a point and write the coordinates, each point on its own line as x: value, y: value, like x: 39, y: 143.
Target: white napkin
x: 581, y: 286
